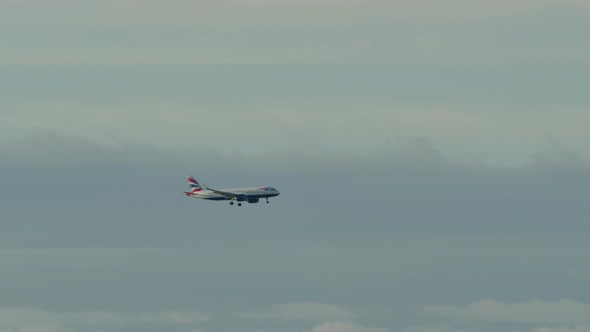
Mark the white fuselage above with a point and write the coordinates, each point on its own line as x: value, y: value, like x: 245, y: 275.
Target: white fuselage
x: 249, y: 193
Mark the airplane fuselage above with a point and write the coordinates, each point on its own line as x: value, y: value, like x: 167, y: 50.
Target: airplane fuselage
x: 251, y: 195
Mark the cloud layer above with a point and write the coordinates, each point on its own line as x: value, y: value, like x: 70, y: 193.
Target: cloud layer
x: 303, y: 311
x: 426, y: 152
x: 289, y: 32
x: 29, y: 319
x: 533, y: 312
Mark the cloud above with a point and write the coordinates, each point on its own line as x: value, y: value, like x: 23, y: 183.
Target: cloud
x: 491, y: 327
x: 412, y: 227
x: 31, y: 319
x: 439, y: 328
x: 533, y: 312
x: 302, y: 311
x: 580, y: 328
x: 275, y: 32
x: 341, y: 326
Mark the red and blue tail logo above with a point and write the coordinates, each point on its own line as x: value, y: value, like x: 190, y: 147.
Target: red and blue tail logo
x: 194, y: 185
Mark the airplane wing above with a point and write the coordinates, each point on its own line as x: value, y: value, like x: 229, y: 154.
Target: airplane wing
x: 227, y: 194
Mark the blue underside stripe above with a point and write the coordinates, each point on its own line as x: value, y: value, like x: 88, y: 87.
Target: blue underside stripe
x: 227, y: 199
x: 215, y: 198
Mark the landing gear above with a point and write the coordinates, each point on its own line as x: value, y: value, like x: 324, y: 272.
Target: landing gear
x: 231, y: 203
x: 239, y: 204
x: 267, y: 200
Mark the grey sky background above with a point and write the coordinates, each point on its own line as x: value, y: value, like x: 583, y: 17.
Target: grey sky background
x: 431, y: 158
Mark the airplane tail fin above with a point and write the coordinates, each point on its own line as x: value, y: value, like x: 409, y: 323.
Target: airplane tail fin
x: 193, y: 185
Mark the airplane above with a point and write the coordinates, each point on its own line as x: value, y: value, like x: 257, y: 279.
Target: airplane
x: 239, y: 195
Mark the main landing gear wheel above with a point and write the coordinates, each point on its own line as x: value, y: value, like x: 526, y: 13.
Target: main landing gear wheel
x: 231, y: 203
x: 239, y: 204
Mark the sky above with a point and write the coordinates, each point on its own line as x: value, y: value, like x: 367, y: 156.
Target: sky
x: 431, y: 158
